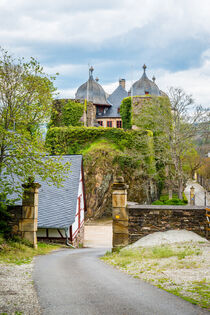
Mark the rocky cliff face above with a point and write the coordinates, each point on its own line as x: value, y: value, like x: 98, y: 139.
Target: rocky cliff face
x: 100, y: 167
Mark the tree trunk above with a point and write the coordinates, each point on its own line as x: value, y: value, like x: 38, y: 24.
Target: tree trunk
x: 180, y: 189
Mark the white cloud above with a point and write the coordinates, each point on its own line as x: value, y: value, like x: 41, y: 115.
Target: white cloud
x: 194, y: 81
x: 67, y: 93
x: 24, y: 23
x: 66, y: 69
x: 96, y: 21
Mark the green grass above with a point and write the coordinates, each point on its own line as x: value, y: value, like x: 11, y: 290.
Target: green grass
x: 200, y: 294
x: 174, y: 201
x: 126, y: 256
x: 16, y: 313
x: 20, y: 251
x: 101, y: 144
x: 150, y: 264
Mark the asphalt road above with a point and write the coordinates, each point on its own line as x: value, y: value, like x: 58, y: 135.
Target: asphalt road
x: 76, y: 282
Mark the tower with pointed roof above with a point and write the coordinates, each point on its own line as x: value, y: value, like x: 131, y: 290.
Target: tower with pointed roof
x: 144, y: 91
x: 106, y: 108
x: 144, y: 86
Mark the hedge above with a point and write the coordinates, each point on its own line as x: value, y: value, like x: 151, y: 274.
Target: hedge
x: 71, y: 140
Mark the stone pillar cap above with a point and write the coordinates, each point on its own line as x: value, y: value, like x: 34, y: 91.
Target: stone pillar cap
x: 119, y: 179
x: 31, y: 185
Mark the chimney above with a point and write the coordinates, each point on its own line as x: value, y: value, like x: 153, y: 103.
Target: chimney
x: 122, y: 83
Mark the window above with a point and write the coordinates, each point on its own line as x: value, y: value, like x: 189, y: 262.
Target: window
x: 109, y: 123
x: 146, y: 92
x: 119, y: 124
x: 100, y: 122
x: 118, y: 110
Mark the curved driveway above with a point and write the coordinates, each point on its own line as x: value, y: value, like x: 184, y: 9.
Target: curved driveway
x: 76, y: 282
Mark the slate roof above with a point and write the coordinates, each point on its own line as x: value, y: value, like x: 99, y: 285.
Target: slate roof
x: 57, y: 206
x: 92, y: 91
x: 115, y: 100
x: 144, y: 85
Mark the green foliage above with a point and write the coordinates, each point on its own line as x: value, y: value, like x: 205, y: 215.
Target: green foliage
x: 72, y: 113
x: 101, y: 144
x: 158, y: 202
x: 5, y: 217
x: 125, y: 112
x: 174, y: 201
x: 72, y: 140
x: 27, y: 94
x: 126, y: 161
x: 192, y: 161
x: 19, y: 251
x: 66, y: 113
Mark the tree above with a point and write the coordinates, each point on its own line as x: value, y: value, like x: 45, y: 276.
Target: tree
x: 188, y: 120
x: 26, y: 95
x: 154, y: 113
x: 192, y: 161
x: 175, y: 121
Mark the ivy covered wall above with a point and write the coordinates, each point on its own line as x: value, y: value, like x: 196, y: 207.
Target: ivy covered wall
x: 108, y: 152
x: 66, y: 112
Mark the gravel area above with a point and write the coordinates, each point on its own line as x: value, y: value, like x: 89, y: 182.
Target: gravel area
x: 17, y: 293
x: 168, y: 237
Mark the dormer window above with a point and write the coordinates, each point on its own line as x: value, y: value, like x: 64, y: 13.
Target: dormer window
x: 146, y: 92
x: 118, y: 110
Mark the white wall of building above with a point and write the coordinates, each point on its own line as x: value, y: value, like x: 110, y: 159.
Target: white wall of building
x: 80, y: 196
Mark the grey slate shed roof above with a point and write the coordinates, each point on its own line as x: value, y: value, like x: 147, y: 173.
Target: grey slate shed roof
x: 115, y: 100
x: 57, y: 206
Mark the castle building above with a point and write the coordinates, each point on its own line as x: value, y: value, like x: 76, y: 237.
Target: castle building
x: 107, y: 107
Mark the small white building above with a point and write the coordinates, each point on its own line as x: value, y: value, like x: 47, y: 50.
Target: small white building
x: 61, y: 210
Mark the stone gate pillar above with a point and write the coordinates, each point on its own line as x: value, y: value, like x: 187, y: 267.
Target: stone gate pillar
x: 28, y: 224
x: 119, y: 213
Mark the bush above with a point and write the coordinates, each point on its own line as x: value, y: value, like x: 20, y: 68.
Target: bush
x: 158, y: 202
x: 5, y: 217
x: 174, y: 201
x: 165, y: 201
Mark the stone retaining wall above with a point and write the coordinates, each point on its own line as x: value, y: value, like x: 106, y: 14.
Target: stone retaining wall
x: 147, y: 219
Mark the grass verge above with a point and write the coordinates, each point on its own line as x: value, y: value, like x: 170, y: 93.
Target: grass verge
x: 181, y: 269
x: 18, y: 251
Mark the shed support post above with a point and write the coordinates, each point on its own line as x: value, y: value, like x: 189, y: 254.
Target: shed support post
x: 119, y: 213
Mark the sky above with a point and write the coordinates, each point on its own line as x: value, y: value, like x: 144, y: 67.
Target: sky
x: 116, y: 37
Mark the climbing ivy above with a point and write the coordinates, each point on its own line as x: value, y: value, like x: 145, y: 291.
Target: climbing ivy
x: 66, y: 113
x: 125, y: 112
x: 71, y: 140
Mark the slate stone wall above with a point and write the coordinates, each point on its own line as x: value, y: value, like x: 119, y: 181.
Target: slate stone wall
x: 147, y: 219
